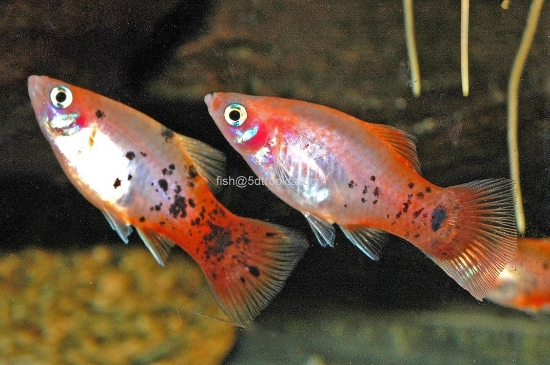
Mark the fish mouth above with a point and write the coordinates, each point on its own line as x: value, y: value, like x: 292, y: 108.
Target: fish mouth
x: 37, y: 92
x: 212, y: 103
x: 33, y: 87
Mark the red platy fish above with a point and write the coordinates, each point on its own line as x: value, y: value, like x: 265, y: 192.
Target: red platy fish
x: 365, y: 177
x: 524, y: 284
x: 141, y: 174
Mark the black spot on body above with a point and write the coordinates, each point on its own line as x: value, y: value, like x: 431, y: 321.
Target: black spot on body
x: 167, y: 134
x: 142, y: 219
x: 169, y: 170
x: 420, y: 195
x: 158, y: 206
x: 130, y: 155
x: 417, y: 213
x: 270, y: 234
x: 117, y: 182
x: 193, y: 172
x: 100, y: 114
x: 254, y: 271
x: 410, y: 185
x: 376, y: 192
x: 352, y: 184
x: 177, y: 209
x: 243, y: 280
x: 163, y: 184
x: 177, y: 190
x: 143, y: 154
x: 398, y: 215
x: 372, y: 178
x: 191, y: 202
x: 363, y: 200
x: 365, y: 190
x: 375, y: 201
x: 217, y: 240
x: 129, y: 177
x: 428, y: 189
x: 438, y: 216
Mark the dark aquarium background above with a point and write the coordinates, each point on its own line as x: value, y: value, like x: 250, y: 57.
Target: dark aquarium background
x: 71, y: 292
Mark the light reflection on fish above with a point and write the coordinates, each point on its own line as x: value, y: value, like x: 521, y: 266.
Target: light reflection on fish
x: 141, y: 174
x: 365, y: 177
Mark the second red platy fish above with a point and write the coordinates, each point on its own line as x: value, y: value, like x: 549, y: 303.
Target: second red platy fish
x: 141, y: 174
x: 335, y: 168
x: 524, y: 284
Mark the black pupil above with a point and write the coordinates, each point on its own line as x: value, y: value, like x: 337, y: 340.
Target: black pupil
x: 234, y: 115
x: 61, y: 97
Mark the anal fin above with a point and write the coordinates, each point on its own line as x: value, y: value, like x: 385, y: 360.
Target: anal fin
x: 368, y: 240
x: 158, y: 245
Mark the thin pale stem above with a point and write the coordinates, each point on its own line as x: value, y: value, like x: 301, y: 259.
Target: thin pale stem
x: 411, y: 47
x: 513, y: 90
x: 464, y: 19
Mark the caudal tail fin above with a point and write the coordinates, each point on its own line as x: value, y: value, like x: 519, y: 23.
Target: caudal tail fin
x: 475, y: 233
x: 247, y: 263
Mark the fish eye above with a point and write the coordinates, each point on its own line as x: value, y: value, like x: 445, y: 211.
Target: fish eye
x: 235, y: 114
x: 61, y: 97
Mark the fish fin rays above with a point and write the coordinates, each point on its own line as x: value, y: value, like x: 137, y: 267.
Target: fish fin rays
x: 369, y: 240
x: 122, y: 229
x: 324, y: 231
x: 209, y: 162
x: 246, y: 276
x: 481, y: 238
x: 158, y: 245
x: 401, y: 142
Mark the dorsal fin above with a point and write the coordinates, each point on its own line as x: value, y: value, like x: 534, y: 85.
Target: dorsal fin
x: 401, y: 142
x: 209, y: 162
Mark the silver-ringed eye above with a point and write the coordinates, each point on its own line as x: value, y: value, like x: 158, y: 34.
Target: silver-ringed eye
x: 235, y: 114
x: 61, y: 97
